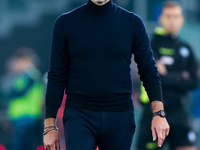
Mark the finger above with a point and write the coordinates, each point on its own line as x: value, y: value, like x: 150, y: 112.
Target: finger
x: 160, y: 137
x: 154, y: 134
x: 57, y: 145
x: 53, y: 146
x: 163, y: 134
x: 47, y: 148
x: 167, y: 132
x: 44, y: 144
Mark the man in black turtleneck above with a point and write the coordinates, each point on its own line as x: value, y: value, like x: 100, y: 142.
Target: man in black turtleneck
x: 178, y: 70
x: 91, y: 53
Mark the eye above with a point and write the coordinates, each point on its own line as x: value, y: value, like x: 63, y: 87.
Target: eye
x: 167, y: 16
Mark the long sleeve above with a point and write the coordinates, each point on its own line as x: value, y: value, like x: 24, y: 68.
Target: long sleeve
x: 143, y: 56
x: 57, y: 74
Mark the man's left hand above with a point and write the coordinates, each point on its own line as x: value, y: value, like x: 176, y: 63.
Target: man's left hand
x: 160, y: 129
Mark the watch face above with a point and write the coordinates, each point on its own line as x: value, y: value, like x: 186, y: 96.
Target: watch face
x: 162, y: 113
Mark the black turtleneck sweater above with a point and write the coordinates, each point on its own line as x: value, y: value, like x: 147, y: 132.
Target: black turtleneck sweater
x: 91, y: 54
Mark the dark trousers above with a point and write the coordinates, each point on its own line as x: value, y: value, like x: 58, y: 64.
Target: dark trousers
x: 86, y: 129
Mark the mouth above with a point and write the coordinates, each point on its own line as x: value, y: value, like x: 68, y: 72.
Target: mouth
x: 100, y: 1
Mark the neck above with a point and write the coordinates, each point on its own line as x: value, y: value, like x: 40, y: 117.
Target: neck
x: 99, y: 9
x: 100, y: 3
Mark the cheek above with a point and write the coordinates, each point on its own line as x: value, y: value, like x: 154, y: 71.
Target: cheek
x: 168, y: 24
x: 165, y: 22
x: 178, y: 23
x: 173, y: 23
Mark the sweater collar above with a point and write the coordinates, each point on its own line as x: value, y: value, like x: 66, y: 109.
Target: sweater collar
x: 90, y: 6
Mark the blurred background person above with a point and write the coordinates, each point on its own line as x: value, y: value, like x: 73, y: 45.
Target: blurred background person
x: 178, y: 70
x: 22, y: 87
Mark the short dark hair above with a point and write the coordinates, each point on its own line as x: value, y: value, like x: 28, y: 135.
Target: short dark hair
x: 170, y: 4
x: 27, y: 52
x: 24, y: 52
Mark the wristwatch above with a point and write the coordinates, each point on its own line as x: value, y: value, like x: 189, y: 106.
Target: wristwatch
x: 160, y: 113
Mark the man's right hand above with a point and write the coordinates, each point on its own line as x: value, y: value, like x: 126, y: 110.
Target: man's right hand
x: 51, y: 139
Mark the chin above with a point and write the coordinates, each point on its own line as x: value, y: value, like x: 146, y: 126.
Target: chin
x: 172, y: 30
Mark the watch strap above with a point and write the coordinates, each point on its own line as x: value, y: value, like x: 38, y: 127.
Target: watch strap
x: 160, y: 113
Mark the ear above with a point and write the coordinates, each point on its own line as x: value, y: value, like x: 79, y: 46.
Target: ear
x: 182, y: 17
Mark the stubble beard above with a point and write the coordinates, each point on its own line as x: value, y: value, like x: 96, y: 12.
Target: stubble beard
x: 99, y: 1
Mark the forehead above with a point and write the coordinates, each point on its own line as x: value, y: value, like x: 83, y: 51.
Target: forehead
x: 172, y: 10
